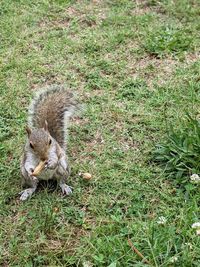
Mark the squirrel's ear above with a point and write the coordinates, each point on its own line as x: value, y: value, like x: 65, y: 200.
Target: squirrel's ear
x: 46, y: 126
x: 28, y: 130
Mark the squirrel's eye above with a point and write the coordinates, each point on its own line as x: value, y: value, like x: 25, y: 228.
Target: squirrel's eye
x: 49, y: 141
x: 31, y: 145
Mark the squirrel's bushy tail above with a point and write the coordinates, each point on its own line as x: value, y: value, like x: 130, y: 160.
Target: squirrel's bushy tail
x: 55, y: 105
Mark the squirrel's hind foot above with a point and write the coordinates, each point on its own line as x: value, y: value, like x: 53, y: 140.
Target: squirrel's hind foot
x: 66, y: 190
x: 26, y: 193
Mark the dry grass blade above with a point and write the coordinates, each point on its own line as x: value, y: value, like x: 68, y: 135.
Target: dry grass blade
x: 137, y: 251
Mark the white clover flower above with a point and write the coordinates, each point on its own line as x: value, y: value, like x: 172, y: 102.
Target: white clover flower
x: 162, y: 220
x: 196, y: 225
x: 189, y: 245
x: 173, y: 259
x: 195, y: 178
x: 87, y: 264
x: 198, y: 231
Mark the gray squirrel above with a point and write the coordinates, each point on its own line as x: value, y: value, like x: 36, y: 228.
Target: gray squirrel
x: 48, y: 118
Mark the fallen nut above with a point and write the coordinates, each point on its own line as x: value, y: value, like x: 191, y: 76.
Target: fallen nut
x: 86, y: 176
x: 39, y: 168
x: 56, y: 209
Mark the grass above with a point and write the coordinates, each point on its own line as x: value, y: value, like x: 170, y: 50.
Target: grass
x: 133, y: 64
x: 180, y: 153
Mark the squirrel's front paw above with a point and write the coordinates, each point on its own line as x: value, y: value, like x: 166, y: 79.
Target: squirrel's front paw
x: 51, y: 165
x: 66, y: 190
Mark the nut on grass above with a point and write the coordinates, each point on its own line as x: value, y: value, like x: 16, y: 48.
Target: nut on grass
x: 39, y: 168
x: 86, y: 175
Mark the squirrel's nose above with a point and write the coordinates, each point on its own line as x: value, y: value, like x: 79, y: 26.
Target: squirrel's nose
x: 44, y: 158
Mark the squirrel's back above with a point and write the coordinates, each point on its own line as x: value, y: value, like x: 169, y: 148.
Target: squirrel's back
x: 55, y: 105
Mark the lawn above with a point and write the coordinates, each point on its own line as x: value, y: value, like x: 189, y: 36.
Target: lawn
x: 136, y: 67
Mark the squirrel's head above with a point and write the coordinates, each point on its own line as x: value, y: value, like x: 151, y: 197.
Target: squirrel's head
x: 39, y: 141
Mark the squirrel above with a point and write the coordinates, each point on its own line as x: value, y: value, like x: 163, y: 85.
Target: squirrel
x: 48, y: 118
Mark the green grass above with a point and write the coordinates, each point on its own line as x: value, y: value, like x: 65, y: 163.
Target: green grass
x: 133, y: 65
x: 179, y: 155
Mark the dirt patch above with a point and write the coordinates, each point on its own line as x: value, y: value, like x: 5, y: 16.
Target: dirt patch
x: 79, y: 121
x: 90, y: 15
x: 68, y: 244
x: 94, y: 93
x: 72, y: 12
x: 157, y: 70
x: 86, y: 15
x: 152, y: 69
x: 129, y: 144
x: 96, y: 144
x: 192, y: 58
x: 47, y: 25
x: 144, y: 7
x: 141, y: 8
x: 45, y: 81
